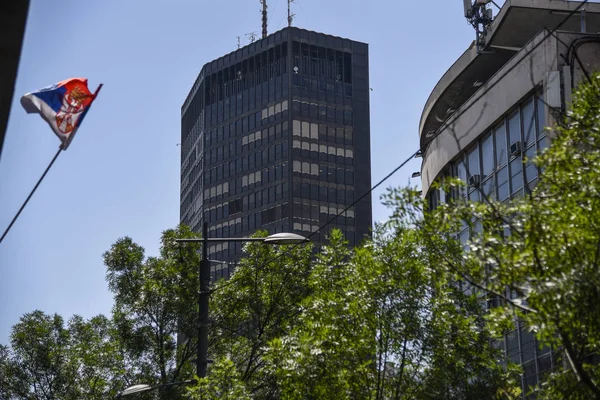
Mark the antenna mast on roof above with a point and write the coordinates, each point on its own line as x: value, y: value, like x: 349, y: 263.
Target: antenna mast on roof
x: 264, y: 18
x: 251, y: 36
x: 480, y: 17
x: 291, y: 15
x: 238, y: 42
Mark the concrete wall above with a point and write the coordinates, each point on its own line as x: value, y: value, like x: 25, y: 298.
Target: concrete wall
x: 518, y: 78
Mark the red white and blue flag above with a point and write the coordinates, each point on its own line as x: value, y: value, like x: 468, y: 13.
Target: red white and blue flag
x: 63, y: 106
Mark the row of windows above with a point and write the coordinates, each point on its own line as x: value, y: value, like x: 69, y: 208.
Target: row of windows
x: 319, y: 191
x: 251, y: 201
x: 521, y: 347
x: 250, y: 221
x: 322, y: 62
x: 322, y: 132
x: 190, y: 139
x: 274, y: 110
x: 325, y: 173
x: 250, y: 161
x: 244, y: 125
x: 235, y: 148
x: 322, y: 212
x: 231, y: 250
x: 322, y: 152
x: 253, y: 70
x: 320, y: 85
x: 322, y: 112
x: 499, y: 164
x: 247, y: 101
x: 325, y: 200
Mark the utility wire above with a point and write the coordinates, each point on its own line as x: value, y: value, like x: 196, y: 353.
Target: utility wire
x: 287, y: 251
x: 453, y: 116
x: 367, y: 193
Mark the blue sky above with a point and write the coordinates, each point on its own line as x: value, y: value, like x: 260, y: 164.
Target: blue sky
x: 120, y: 176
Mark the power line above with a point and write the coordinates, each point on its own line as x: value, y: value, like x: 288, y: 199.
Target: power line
x: 385, y: 178
x: 403, y: 163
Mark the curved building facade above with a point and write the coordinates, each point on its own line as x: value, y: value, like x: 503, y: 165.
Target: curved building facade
x: 487, y: 115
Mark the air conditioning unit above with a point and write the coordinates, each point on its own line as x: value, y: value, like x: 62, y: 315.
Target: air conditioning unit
x: 474, y: 181
x: 515, y: 149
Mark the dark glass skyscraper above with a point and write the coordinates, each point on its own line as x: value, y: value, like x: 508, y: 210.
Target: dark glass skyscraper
x: 276, y: 136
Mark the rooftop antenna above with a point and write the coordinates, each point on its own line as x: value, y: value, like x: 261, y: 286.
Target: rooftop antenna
x: 251, y: 36
x: 264, y: 18
x: 239, y: 45
x: 291, y: 15
x: 480, y: 17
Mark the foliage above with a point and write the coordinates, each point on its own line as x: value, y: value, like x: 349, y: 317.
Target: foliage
x: 48, y: 360
x: 385, y: 322
x: 260, y: 302
x: 224, y: 384
x: 155, y: 301
x: 540, y: 253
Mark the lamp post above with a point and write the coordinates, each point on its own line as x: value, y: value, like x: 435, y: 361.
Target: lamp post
x: 145, y: 387
x: 202, y: 349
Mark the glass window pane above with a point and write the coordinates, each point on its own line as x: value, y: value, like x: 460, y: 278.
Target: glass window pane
x: 474, y: 195
x: 296, y: 127
x: 500, y: 141
x: 473, y: 161
x: 305, y: 129
x: 527, y: 345
x: 541, y: 119
x: 487, y: 155
x: 528, y: 124
x: 516, y: 174
x: 487, y: 188
x: 530, y: 168
x: 512, y: 347
x: 542, y: 144
x: 502, y: 178
x: 462, y: 175
x: 514, y: 127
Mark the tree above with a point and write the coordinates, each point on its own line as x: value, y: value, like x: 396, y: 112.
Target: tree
x: 385, y: 322
x: 224, y: 384
x: 258, y: 303
x: 48, y: 360
x: 155, y: 307
x: 540, y: 253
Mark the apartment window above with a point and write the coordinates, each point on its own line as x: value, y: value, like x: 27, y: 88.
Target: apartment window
x: 473, y: 161
x: 487, y: 155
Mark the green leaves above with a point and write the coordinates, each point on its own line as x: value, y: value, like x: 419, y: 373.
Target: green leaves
x: 155, y: 301
x: 48, y: 360
x: 540, y: 253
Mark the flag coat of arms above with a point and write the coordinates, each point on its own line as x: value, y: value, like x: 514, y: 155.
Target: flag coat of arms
x: 62, y: 105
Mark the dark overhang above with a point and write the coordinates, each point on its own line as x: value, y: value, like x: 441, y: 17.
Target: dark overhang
x: 13, y: 16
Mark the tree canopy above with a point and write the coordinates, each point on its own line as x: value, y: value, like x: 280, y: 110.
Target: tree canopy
x: 402, y: 316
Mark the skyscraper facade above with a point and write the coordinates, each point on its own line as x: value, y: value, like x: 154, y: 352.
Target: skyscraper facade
x: 486, y: 117
x: 276, y: 136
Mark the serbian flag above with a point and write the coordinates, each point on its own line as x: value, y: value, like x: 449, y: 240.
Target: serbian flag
x: 63, y: 106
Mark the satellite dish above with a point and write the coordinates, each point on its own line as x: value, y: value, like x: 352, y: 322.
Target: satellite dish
x: 296, y: 69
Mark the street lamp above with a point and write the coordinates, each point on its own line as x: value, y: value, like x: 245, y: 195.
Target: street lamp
x: 145, y: 387
x: 278, y: 238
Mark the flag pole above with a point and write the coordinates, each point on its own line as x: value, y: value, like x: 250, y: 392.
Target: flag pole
x: 60, y: 149
x: 31, y: 194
